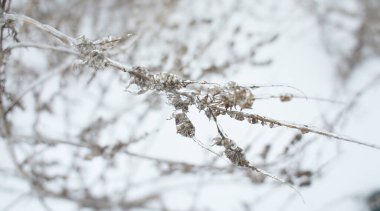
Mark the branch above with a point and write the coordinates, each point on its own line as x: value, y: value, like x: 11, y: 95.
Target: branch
x: 42, y: 46
x: 255, y: 118
x: 51, y: 30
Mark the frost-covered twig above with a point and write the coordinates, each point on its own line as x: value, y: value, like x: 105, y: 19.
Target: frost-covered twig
x: 255, y: 118
x: 47, y: 28
x: 42, y: 46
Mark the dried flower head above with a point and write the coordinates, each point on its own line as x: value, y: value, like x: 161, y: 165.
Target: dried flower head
x: 91, y: 54
x: 145, y: 80
x: 231, y: 96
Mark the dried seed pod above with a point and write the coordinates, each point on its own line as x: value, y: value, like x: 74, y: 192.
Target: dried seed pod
x: 96, y: 59
x: 286, y: 97
x: 181, y: 102
x: 184, y: 125
x: 239, y: 117
x: 142, y: 79
x: 236, y: 156
x: 92, y: 55
x: 158, y: 82
x: 225, y: 142
x: 252, y: 120
x: 240, y: 96
x: 231, y: 96
x: 166, y: 81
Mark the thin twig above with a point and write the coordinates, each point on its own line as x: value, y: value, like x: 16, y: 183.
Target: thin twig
x: 67, y: 63
x: 302, y: 128
x: 42, y: 46
x: 51, y: 30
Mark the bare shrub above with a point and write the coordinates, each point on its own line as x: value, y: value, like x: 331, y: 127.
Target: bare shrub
x: 61, y: 119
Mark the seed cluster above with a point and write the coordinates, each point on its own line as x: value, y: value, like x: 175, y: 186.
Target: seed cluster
x: 229, y: 96
x: 159, y: 82
x: 233, y: 152
x: 184, y: 125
